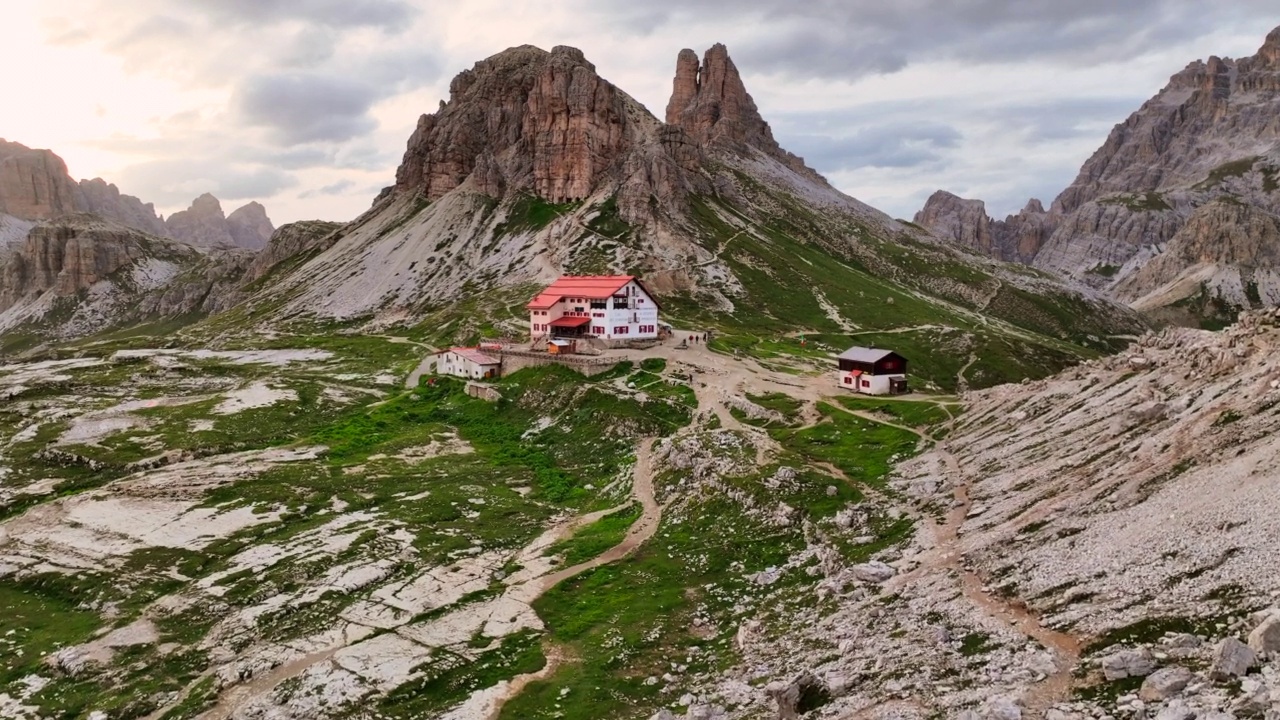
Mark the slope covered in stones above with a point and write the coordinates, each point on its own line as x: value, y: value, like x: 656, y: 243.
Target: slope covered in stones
x: 80, y: 274
x: 1207, y: 138
x: 537, y: 166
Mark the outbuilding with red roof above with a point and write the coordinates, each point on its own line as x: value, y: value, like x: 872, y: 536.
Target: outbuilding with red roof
x: 467, y: 362
x: 609, y: 307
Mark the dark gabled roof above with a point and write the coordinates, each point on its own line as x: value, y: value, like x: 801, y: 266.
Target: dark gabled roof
x: 866, y: 355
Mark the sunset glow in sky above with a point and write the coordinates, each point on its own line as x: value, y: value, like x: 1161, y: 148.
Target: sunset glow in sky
x: 305, y: 105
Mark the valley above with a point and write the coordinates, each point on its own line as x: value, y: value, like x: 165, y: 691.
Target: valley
x: 234, y: 485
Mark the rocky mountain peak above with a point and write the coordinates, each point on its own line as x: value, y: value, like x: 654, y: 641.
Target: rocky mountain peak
x: 524, y: 119
x: 1270, y: 50
x: 250, y: 227
x: 34, y: 184
x: 710, y: 102
x: 204, y: 224
x: 965, y: 222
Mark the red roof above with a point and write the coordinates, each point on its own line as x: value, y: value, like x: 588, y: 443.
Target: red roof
x: 589, y: 287
x: 570, y: 322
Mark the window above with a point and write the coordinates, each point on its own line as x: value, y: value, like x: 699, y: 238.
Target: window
x: 597, y: 330
x: 848, y: 381
x: 866, y: 383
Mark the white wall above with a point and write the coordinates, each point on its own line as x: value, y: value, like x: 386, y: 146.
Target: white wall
x: 458, y: 366
x: 868, y: 384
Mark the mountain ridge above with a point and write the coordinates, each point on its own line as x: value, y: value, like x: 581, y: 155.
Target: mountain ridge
x: 1208, y: 134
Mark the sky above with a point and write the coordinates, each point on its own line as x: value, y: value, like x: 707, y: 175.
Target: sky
x: 306, y: 105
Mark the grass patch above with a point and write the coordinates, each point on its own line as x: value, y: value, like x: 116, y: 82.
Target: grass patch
x: 596, y: 538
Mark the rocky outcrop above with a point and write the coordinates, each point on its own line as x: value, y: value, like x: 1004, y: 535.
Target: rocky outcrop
x: 710, y: 103
x: 250, y: 227
x: 201, y: 224
x: 296, y: 242
x: 524, y: 119
x: 204, y: 225
x: 80, y: 273
x: 104, y: 199
x: 66, y: 256
x: 1227, y: 236
x: 1018, y: 238
x: 1209, y: 136
x: 34, y: 184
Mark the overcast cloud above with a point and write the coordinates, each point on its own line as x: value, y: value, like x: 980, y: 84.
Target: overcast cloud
x: 305, y: 105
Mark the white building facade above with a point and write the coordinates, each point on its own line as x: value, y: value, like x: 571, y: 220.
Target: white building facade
x: 468, y: 363
x: 608, y: 307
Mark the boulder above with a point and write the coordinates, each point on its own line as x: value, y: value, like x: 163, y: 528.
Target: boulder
x: 1165, y: 683
x: 1265, y: 638
x: 1176, y: 710
x: 873, y: 572
x: 803, y: 694
x: 1001, y: 708
x: 663, y: 714
x: 1127, y: 664
x: 1231, y: 659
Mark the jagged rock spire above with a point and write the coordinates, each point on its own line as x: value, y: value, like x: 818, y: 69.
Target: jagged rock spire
x: 710, y: 103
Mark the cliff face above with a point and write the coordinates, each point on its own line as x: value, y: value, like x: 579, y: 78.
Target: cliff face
x: 1212, y: 133
x: 80, y: 273
x: 104, y: 199
x: 34, y: 184
x: 524, y: 119
x: 1017, y: 238
x: 710, y: 103
x: 203, y: 224
x: 250, y: 227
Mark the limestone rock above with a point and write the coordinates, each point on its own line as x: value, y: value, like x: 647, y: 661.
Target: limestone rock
x: 202, y: 224
x: 873, y: 572
x: 104, y: 199
x: 1128, y: 663
x: 1231, y: 658
x: 1017, y: 238
x: 250, y: 227
x: 1000, y: 708
x: 1176, y: 710
x: 710, y: 103
x: 1165, y: 683
x: 522, y: 119
x: 292, y: 241
x: 1265, y: 638
x: 806, y: 692
x: 34, y: 184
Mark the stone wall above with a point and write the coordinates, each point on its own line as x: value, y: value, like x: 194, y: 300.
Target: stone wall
x: 515, y: 360
x: 483, y: 392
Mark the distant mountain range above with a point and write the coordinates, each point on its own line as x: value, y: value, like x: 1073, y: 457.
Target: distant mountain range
x: 1175, y: 214
x: 35, y: 185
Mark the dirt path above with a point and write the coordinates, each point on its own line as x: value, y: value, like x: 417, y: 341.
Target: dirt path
x: 555, y: 659
x: 947, y: 556
x: 639, y: 532
x: 427, y: 365
x: 962, y: 383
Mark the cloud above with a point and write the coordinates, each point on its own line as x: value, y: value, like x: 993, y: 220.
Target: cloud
x: 342, y: 187
x: 847, y: 39
x: 386, y: 14
x: 170, y: 183
x: 895, y: 145
x: 306, y: 107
